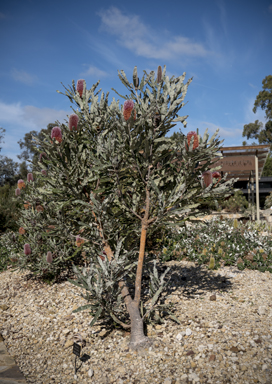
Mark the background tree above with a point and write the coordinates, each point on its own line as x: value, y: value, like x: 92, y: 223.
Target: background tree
x: 30, y: 150
x: 115, y: 169
x: 258, y: 131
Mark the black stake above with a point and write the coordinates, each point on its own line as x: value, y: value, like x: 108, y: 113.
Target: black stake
x: 76, y: 351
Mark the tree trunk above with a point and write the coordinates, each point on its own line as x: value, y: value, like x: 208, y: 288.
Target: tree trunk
x: 137, y: 336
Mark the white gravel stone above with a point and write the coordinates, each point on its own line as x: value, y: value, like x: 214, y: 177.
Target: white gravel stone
x: 179, y: 336
x: 35, y: 319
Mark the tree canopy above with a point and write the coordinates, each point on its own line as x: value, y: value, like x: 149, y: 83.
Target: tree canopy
x: 263, y: 100
x: 257, y: 130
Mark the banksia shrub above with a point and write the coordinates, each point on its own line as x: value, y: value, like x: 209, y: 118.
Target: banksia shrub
x: 56, y: 134
x: 73, y: 121
x: 236, y: 203
x: 43, y: 171
x: 207, y: 178
x: 128, y: 107
x: 17, y: 191
x: 49, y: 258
x: 21, y: 231
x: 80, y: 86
x: 79, y: 241
x: 29, y: 177
x: 27, y: 249
x: 21, y: 184
x: 196, y: 141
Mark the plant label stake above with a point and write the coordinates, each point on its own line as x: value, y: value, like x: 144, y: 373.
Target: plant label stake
x: 76, y: 351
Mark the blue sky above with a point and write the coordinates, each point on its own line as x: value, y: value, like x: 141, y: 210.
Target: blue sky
x: 224, y: 45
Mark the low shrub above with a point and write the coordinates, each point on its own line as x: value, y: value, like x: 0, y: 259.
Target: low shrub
x: 229, y: 242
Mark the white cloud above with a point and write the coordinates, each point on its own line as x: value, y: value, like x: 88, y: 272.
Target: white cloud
x: 28, y: 116
x: 224, y: 132
x: 94, y: 71
x: 252, y: 85
x: 23, y: 77
x: 146, y: 42
x: 270, y: 8
x: 2, y: 16
x: 19, y: 120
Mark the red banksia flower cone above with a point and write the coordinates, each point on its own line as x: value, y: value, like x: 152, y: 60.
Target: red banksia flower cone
x: 30, y: 177
x: 27, y: 205
x: 207, y: 176
x: 49, y: 258
x: 80, y: 86
x: 50, y: 227
x: 27, y: 249
x: 56, y: 134
x: 216, y: 175
x: 128, y: 107
x: 102, y: 257
x: 43, y: 154
x: 21, y: 184
x: 79, y: 241
x: 40, y: 208
x: 17, y: 191
x: 196, y: 142
x: 44, y: 172
x: 73, y: 121
x: 21, y: 231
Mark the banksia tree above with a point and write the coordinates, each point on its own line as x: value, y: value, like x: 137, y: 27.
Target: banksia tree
x: 118, y: 185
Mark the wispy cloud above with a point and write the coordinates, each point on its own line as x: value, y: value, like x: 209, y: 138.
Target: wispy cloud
x: 23, y: 77
x: 2, y: 16
x: 223, y: 16
x: 94, y: 72
x: 270, y: 8
x: 252, y: 86
x: 142, y: 40
x: 29, y: 116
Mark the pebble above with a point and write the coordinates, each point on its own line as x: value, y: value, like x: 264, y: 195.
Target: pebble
x: 228, y: 340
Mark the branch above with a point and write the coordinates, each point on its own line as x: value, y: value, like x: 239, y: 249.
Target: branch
x: 119, y: 321
x: 138, y: 280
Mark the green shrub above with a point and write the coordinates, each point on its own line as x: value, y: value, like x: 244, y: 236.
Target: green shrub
x: 268, y: 201
x: 9, y: 209
x: 229, y: 242
x: 236, y: 203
